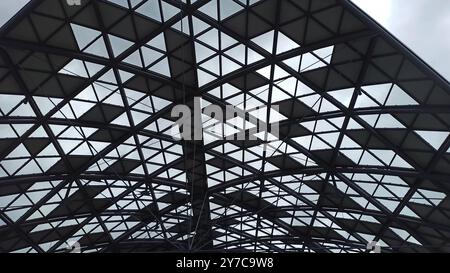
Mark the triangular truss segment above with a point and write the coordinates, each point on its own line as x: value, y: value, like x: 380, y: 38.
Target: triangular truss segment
x: 87, y: 153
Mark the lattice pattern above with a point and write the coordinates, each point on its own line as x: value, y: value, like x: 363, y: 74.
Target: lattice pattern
x: 87, y: 152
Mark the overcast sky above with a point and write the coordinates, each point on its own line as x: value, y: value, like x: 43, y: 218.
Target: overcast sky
x: 9, y: 7
x: 423, y: 25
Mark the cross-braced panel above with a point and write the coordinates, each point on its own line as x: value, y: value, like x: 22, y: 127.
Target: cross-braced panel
x: 87, y: 151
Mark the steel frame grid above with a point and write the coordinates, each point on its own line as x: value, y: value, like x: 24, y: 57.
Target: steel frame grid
x: 374, y: 33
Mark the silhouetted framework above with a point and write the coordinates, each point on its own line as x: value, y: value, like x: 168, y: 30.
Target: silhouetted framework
x: 87, y: 151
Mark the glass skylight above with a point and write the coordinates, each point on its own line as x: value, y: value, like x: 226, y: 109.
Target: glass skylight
x: 87, y: 147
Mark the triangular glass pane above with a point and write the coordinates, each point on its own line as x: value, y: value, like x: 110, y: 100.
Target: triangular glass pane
x: 385, y: 156
x: 211, y: 38
x: 253, y: 56
x: 278, y: 95
x: 228, y: 8
x: 212, y: 65
x: 364, y: 101
x: 399, y: 97
x: 434, y: 138
x: 98, y: 48
x: 93, y: 68
x: 388, y: 121
x: 81, y: 107
x: 199, y: 25
x: 379, y: 92
x: 285, y: 43
x: 8, y: 102
x: 228, y: 66
x: 150, y: 56
x: 151, y: 9
x: 401, y: 163
x: 158, y: 42
x: 168, y: 10
x: 280, y: 73
x: 202, y: 52
x: 204, y: 77
x: 310, y: 62
x: 119, y: 45
x: 343, y: 96
x: 162, y: 67
x: 294, y: 63
x: 226, y: 41
x: 265, y: 41
x: 84, y: 35
x: 325, y: 53
x: 24, y: 110
x: 75, y: 68
x: 210, y: 9
x: 134, y: 58
x: 266, y: 71
x: 18, y: 152
x: 183, y: 26
x: 125, y: 76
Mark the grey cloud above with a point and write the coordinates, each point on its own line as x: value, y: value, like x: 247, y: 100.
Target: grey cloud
x: 424, y: 27
x: 8, y: 8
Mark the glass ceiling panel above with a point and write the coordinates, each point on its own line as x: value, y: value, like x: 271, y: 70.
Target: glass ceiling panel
x: 87, y: 135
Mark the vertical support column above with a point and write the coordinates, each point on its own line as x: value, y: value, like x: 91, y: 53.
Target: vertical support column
x: 194, y: 151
